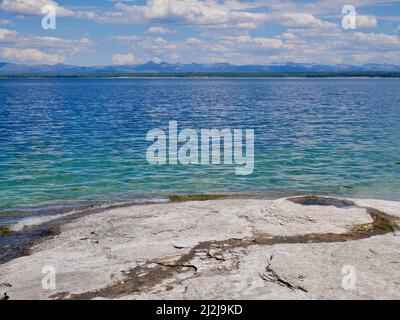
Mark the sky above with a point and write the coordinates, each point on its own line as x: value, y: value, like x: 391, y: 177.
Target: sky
x: 106, y: 32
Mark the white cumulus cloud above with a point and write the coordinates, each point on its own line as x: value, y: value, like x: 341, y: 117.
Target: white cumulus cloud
x: 33, y: 7
x: 30, y: 56
x: 5, y: 23
x: 122, y: 59
x: 159, y: 30
x: 193, y: 41
x: 366, y: 21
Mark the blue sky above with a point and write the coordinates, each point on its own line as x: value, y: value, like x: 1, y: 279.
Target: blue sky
x: 104, y: 32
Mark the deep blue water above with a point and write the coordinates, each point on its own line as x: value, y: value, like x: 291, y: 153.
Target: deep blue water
x: 70, y: 141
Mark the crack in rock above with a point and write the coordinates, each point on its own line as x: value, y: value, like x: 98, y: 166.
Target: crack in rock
x: 271, y: 275
x: 173, y: 265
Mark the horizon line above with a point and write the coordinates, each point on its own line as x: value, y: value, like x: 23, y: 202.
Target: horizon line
x: 200, y: 63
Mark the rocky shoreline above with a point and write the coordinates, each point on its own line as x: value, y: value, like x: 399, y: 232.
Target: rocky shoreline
x: 305, y: 247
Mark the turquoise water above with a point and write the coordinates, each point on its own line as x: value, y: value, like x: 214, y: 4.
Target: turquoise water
x: 76, y: 141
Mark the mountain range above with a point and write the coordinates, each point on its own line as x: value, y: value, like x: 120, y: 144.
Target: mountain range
x: 164, y: 67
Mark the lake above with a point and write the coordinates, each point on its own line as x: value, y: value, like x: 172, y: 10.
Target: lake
x: 66, y: 143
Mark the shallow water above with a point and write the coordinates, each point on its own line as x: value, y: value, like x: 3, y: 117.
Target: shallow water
x: 72, y: 142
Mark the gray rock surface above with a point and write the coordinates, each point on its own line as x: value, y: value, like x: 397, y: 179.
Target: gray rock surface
x: 218, y: 249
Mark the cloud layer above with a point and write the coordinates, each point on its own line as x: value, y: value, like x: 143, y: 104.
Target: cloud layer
x: 235, y: 31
